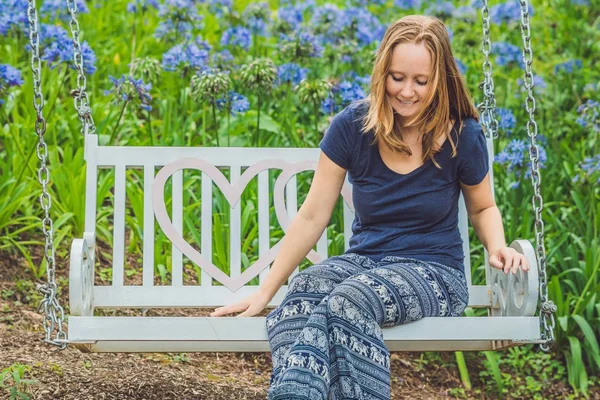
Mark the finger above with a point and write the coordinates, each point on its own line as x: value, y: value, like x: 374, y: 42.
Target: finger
x: 225, y: 310
x: 525, y: 264
x: 517, y: 261
x: 494, y: 262
x: 508, y: 260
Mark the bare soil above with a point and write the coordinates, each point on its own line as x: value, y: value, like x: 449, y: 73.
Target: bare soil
x: 71, y: 374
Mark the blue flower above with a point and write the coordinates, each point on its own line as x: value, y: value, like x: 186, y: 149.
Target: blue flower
x: 589, y: 166
x: 538, y: 82
x: 507, y: 120
x: 367, y: 26
x: 507, y: 12
x: 292, y: 15
x: 13, y: 15
x: 177, y: 19
x: 237, y: 36
x: 516, y: 157
x: 507, y: 53
x: 444, y: 9
x: 238, y: 104
x: 303, y: 44
x: 58, y: 8
x: 291, y: 73
x: 408, y: 4
x: 219, y: 7
x: 590, y: 115
x: 128, y: 89
x: 142, y: 5
x: 56, y: 46
x: 568, y: 66
x: 194, y: 55
x: 327, y: 20
x: 466, y: 14
x: 9, y: 77
x: 341, y: 95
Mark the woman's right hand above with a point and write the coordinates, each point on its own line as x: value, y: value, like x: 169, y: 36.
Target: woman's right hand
x: 250, y: 306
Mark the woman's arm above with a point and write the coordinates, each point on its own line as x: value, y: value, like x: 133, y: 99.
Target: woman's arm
x: 308, y: 225
x: 487, y: 223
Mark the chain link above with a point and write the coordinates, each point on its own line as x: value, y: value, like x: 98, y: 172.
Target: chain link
x: 53, y: 312
x: 547, y: 307
x: 487, y: 108
x: 80, y: 96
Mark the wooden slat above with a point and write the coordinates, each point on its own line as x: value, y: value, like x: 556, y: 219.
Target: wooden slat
x: 199, y: 296
x: 206, y: 229
x: 235, y: 231
x: 148, y: 255
x: 248, y: 329
x: 348, y: 219
x: 119, y: 227
x: 263, y: 219
x: 177, y: 218
x: 291, y: 202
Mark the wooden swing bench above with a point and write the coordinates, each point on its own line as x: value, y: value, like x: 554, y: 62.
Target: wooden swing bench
x: 511, y: 300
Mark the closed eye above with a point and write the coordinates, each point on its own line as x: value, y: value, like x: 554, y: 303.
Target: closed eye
x: 400, y: 80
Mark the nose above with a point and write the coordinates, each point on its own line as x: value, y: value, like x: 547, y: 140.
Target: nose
x: 407, y: 91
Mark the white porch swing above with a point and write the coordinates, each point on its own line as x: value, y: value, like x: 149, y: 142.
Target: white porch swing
x: 511, y: 300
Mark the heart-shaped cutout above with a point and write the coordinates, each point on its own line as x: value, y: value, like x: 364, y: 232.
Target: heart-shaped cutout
x: 232, y: 193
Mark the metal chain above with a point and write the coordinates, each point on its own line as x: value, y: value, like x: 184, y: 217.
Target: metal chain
x: 488, y: 107
x: 80, y: 96
x: 547, y: 307
x: 49, y: 290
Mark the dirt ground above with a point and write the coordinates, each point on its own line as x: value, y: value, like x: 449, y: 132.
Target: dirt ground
x: 71, y: 374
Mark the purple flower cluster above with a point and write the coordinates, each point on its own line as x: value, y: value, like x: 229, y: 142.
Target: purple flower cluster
x: 507, y: 12
x: 128, y: 89
x: 568, y: 66
x: 56, y: 47
x: 220, y: 7
x: 507, y: 120
x: 516, y: 158
x: 291, y: 73
x: 348, y: 90
x: 190, y: 55
x: 58, y: 8
x: 236, y: 103
x: 237, y: 36
x: 177, y: 19
x: 365, y: 26
x: 442, y: 9
x: 9, y: 76
x: 13, y: 16
x: 408, y: 4
x: 302, y: 44
x: 538, y: 82
x: 507, y: 53
x: 142, y: 5
x: 590, y: 115
x: 589, y: 166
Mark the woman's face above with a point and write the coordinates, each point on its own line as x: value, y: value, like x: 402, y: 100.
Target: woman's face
x: 409, y: 80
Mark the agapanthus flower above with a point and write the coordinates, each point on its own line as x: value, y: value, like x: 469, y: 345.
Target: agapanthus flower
x: 291, y: 73
x: 58, y: 8
x: 13, y: 16
x: 365, y: 27
x: 135, y: 6
x: 568, y: 66
x: 56, y: 46
x: 442, y: 9
x: 516, y: 159
x: 9, y: 77
x: 194, y: 55
x: 235, y: 103
x: 590, y: 115
x: 237, y: 36
x: 507, y: 120
x: 408, y: 4
x: 327, y: 20
x: 300, y: 44
x: 178, y: 18
x: 128, y: 89
x: 507, y: 53
x: 507, y: 12
x: 590, y: 166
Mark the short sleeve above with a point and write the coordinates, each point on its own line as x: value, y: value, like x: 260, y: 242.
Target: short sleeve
x: 339, y: 142
x: 473, y: 156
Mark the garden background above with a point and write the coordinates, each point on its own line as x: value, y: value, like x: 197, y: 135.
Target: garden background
x: 180, y: 73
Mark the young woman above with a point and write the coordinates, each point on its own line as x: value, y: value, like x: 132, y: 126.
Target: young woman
x: 409, y: 148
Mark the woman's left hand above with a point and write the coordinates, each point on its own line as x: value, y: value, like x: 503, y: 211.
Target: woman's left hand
x: 507, y: 259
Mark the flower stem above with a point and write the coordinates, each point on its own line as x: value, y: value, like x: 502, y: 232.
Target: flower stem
x: 258, y: 121
x: 214, y: 113
x: 114, y: 132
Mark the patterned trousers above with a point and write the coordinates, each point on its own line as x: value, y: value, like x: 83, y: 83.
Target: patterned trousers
x: 325, y: 336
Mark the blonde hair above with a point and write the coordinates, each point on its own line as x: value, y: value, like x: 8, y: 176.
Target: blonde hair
x: 449, y: 99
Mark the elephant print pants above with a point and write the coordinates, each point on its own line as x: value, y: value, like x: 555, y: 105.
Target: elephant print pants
x: 325, y: 337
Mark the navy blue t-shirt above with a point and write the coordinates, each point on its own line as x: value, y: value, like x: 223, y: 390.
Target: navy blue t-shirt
x: 412, y: 215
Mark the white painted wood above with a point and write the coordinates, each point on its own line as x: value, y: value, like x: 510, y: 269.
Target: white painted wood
x: 263, y: 219
x: 177, y: 210
x: 348, y: 219
x: 91, y: 182
x: 119, y: 227
x: 254, y: 329
x: 148, y: 241
x: 257, y: 346
x: 235, y: 231
x: 291, y: 202
x: 463, y: 227
x: 199, y: 296
x: 206, y: 227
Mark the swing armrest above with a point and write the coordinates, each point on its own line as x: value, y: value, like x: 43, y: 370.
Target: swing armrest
x: 516, y: 294
x: 81, y: 275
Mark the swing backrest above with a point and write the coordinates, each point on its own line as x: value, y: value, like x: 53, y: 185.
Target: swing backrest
x: 165, y: 172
